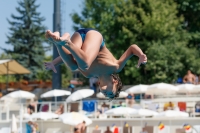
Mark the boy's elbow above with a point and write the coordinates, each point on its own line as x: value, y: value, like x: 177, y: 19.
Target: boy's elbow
x: 134, y: 45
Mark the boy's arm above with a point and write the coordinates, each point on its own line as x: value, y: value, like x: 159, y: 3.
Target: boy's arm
x: 57, y: 61
x: 132, y: 50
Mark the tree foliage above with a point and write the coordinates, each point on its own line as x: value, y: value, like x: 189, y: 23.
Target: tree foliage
x: 190, y: 9
x: 26, y: 36
x: 153, y: 25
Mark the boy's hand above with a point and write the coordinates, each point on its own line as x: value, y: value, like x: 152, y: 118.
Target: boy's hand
x: 142, y: 60
x: 50, y: 66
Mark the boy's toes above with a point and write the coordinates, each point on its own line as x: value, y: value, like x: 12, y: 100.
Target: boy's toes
x: 48, y: 31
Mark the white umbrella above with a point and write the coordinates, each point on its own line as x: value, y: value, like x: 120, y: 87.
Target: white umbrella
x: 80, y: 94
x: 6, y: 99
x: 187, y: 88
x: 146, y: 112
x: 100, y: 95
x: 161, y: 88
x: 74, y: 118
x: 44, y: 115
x: 21, y: 94
x: 122, y: 94
x: 138, y: 89
x: 55, y: 93
x: 172, y: 113
x: 14, y: 124
x: 121, y: 111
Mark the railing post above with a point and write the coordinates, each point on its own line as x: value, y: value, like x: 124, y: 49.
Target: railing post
x: 1, y: 112
x: 65, y: 107
x: 36, y: 105
x: 95, y: 110
x: 80, y: 105
x: 49, y: 106
x: 7, y: 113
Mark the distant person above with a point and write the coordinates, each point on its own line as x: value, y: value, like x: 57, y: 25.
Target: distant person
x: 34, y: 127
x: 72, y: 87
x: 31, y: 106
x: 108, y: 130
x: 189, y: 78
x: 197, y: 107
x: 196, y: 79
x: 1, y: 94
x: 169, y: 106
x: 80, y: 128
x: 60, y: 110
x: 105, y: 107
x: 29, y: 127
x: 130, y: 100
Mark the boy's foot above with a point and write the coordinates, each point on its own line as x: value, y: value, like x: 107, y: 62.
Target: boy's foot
x: 55, y: 35
x: 50, y: 36
x: 55, y: 38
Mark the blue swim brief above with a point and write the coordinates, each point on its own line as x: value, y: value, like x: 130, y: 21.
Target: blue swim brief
x: 83, y: 33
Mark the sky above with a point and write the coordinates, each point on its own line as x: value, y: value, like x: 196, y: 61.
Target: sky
x: 8, y: 7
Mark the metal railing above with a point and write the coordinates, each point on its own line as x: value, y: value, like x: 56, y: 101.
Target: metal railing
x: 6, y: 109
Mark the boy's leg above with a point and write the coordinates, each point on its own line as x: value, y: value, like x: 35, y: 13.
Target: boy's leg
x: 67, y: 58
x: 65, y: 54
x: 85, y: 55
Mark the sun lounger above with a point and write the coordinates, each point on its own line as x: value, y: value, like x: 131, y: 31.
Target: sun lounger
x: 96, y: 131
x: 179, y: 130
x: 53, y: 130
x: 5, y: 130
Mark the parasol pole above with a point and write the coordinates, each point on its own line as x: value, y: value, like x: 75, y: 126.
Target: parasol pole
x: 7, y: 77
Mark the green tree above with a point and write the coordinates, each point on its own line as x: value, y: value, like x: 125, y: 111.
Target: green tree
x: 151, y: 24
x: 26, y: 36
x: 190, y: 10
x: 42, y: 73
x: 5, y: 56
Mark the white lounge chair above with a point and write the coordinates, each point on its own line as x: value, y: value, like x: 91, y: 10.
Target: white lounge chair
x: 5, y: 130
x: 53, y: 130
